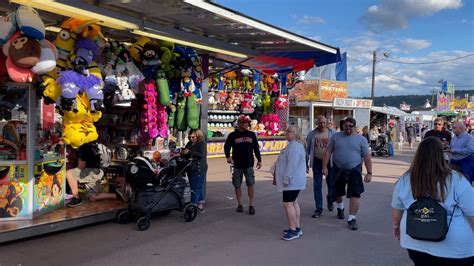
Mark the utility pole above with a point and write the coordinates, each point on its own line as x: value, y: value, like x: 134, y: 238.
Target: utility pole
x: 373, y: 76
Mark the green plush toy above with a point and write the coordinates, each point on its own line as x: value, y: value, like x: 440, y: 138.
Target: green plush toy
x: 267, y: 104
x: 163, y: 88
x: 172, y: 116
x: 181, y: 123
x: 192, y: 108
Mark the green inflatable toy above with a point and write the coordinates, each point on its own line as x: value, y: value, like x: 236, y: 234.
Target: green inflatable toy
x: 163, y: 88
x: 192, y: 108
x: 181, y: 123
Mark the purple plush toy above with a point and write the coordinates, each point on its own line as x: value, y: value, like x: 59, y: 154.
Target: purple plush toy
x: 79, y: 80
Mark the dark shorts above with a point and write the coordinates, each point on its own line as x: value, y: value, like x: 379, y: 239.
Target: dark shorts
x: 238, y: 176
x: 352, y: 178
x: 421, y: 258
x: 290, y: 195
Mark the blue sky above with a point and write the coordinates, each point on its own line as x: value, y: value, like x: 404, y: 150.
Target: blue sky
x: 409, y: 30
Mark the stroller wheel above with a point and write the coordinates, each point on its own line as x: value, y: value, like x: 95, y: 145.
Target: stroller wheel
x: 123, y: 217
x: 143, y: 223
x: 190, y: 212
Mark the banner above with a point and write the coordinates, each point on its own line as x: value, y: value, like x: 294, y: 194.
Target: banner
x: 443, y: 102
x: 328, y: 90
x: 306, y: 91
x: 352, y: 103
x: 216, y: 149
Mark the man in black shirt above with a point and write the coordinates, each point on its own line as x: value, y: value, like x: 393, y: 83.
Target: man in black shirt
x: 87, y: 172
x: 244, y: 145
x: 440, y: 132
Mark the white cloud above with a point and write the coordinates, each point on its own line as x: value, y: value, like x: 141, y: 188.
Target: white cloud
x: 396, y: 14
x: 310, y: 20
x: 389, y: 74
x: 414, y: 44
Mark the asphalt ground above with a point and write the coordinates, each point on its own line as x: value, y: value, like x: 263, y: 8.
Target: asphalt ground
x: 221, y: 236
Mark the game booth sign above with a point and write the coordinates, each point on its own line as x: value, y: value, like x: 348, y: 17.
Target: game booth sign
x: 84, y: 83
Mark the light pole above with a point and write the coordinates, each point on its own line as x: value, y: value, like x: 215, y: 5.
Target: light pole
x: 374, y: 60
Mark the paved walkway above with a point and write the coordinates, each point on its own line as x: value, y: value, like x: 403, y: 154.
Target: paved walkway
x: 222, y: 236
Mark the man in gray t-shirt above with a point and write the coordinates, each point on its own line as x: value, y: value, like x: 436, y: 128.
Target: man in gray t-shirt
x: 348, y: 150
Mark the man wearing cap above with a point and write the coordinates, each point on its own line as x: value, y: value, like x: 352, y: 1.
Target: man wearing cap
x: 244, y: 145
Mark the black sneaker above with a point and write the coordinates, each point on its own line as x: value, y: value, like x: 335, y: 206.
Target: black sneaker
x: 317, y: 213
x: 240, y: 208
x: 251, y: 210
x: 290, y: 235
x: 298, y: 230
x: 352, y: 224
x: 74, y: 202
x: 340, y: 213
x: 330, y: 204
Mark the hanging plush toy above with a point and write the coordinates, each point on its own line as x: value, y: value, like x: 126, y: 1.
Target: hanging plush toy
x: 163, y: 88
x: 267, y: 104
x: 150, y: 121
x: 47, y: 61
x: 80, y: 80
x: 246, y: 77
x: 187, y: 84
x: 124, y: 95
x: 247, y: 103
x: 22, y: 53
x: 281, y: 102
x: 162, y: 121
x: 192, y: 112
x: 30, y: 23
x: 181, y: 123
x: 230, y: 80
x: 150, y: 59
x: 136, y: 49
x: 212, y: 101
x: 7, y: 27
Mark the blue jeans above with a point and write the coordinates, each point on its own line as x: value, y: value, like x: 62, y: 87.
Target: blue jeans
x: 197, y: 183
x: 318, y: 184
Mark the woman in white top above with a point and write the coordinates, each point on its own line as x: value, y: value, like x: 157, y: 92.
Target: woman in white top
x: 430, y: 174
x: 290, y: 178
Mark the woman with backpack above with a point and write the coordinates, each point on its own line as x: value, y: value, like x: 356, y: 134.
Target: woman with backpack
x: 433, y: 210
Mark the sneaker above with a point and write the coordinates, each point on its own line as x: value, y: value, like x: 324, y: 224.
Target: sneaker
x: 251, y: 210
x: 317, y: 213
x: 290, y: 235
x: 201, y: 210
x: 353, y: 224
x: 123, y: 195
x: 240, y: 208
x: 330, y: 204
x: 298, y: 230
x: 74, y: 202
x: 340, y: 213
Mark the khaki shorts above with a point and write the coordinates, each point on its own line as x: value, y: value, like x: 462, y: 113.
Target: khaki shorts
x: 88, y: 178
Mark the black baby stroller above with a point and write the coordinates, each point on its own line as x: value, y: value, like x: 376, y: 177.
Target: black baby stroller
x: 380, y: 146
x: 161, y: 193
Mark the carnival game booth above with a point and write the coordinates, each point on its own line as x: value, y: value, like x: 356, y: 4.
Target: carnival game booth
x: 102, y: 73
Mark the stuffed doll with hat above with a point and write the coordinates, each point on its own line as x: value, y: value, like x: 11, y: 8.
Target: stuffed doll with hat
x: 30, y: 23
x: 150, y: 59
x: 187, y: 83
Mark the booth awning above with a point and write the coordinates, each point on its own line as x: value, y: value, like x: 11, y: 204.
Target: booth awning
x: 284, y: 62
x: 389, y: 110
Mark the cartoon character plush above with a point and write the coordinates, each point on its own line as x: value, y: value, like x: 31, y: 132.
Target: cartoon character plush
x: 163, y: 88
x: 261, y: 130
x: 136, y: 49
x: 47, y: 61
x: 254, y: 125
x: 267, y: 104
x: 281, y: 102
x: 23, y: 50
x: 187, y: 84
x: 247, y: 103
x: 212, y: 100
x: 124, y: 95
x: 246, y: 79
x: 79, y: 80
x: 150, y: 59
x: 30, y: 23
x: 7, y: 27
x: 230, y: 80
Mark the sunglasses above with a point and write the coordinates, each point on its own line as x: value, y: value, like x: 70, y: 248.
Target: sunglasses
x: 349, y: 126
x: 438, y: 124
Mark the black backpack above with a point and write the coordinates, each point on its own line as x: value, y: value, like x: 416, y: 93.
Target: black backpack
x: 428, y: 220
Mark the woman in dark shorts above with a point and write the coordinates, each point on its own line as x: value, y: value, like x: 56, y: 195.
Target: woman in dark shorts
x: 289, y: 175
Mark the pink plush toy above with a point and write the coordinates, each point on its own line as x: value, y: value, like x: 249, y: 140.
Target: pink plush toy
x: 247, y: 103
x: 274, y: 124
x: 162, y: 121
x: 281, y: 102
x: 150, y: 121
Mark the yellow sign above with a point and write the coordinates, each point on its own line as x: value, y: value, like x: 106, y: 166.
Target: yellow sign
x: 306, y: 91
x: 266, y: 146
x: 329, y: 89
